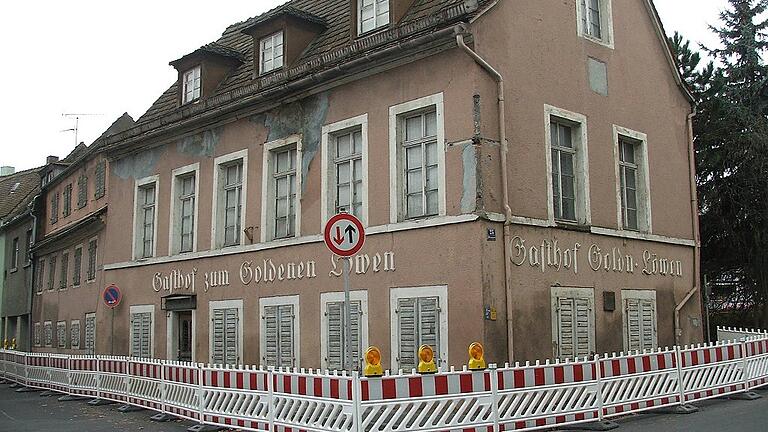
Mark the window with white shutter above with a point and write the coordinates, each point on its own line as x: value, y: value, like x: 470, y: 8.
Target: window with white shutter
x: 279, y: 332
x: 38, y: 334
x: 48, y: 333
x: 90, y: 333
x: 61, y: 334
x: 74, y: 334
x: 640, y: 331
x: 420, y: 319
x: 333, y: 338
x: 141, y: 331
x: 226, y: 332
x: 573, y: 322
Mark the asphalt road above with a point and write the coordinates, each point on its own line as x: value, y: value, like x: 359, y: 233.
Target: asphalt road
x: 29, y: 412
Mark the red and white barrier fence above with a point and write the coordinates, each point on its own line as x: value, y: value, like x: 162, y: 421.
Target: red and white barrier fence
x: 520, y: 397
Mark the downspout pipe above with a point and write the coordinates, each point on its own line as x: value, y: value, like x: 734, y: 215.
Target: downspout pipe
x: 499, y: 78
x: 696, y: 235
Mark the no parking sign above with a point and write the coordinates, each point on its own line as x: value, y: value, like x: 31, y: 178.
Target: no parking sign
x: 112, y: 296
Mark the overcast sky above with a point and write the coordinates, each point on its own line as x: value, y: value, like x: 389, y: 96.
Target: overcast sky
x: 106, y: 58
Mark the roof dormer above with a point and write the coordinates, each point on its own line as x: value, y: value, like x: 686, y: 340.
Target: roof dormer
x: 280, y: 36
x: 201, y: 71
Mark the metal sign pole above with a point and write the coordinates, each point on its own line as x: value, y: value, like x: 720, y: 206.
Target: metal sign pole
x: 348, y: 315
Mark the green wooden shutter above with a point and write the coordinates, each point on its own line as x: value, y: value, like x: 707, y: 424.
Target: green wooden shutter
x: 217, y: 350
x: 641, y: 324
x: 429, y: 324
x: 407, y: 336
x: 336, y: 355
x: 141, y: 335
x: 269, y: 322
x: 74, y: 330
x: 335, y: 330
x: 574, y: 320
x: 90, y: 334
x: 231, y: 336
x: 286, y: 336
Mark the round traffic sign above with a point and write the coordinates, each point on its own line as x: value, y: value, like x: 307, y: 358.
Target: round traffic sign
x: 112, y: 296
x: 344, y: 235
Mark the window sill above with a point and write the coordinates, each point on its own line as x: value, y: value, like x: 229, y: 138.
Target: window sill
x: 598, y: 41
x: 373, y: 32
x: 572, y: 226
x: 13, y: 270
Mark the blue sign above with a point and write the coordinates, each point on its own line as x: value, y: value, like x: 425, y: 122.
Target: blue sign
x: 112, y: 296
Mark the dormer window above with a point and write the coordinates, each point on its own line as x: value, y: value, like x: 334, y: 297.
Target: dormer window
x: 271, y: 52
x: 372, y: 14
x: 191, y: 85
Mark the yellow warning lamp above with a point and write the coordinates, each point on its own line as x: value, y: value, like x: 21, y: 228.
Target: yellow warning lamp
x: 477, y: 357
x: 5, y: 343
x: 373, y: 362
x: 426, y: 360
x: 13, y: 343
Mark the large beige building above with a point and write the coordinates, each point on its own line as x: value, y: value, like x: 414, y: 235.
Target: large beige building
x: 523, y: 170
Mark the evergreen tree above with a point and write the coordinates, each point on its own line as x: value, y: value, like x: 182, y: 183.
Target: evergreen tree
x: 731, y: 139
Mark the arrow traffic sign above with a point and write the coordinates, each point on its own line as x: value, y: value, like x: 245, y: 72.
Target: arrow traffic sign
x: 344, y: 235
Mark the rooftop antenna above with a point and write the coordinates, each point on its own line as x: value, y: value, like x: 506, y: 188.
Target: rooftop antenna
x: 77, y: 123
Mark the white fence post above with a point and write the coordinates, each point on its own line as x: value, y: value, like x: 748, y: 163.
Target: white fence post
x: 69, y: 375
x: 271, y: 391
x: 744, y: 364
x: 200, y: 376
x: 680, y: 385
x: 163, y: 387
x: 98, y: 378
x: 127, y: 379
x: 599, y: 376
x: 493, y: 370
x: 357, y: 419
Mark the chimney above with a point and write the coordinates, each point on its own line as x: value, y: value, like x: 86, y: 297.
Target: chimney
x: 6, y: 171
x: 51, y: 159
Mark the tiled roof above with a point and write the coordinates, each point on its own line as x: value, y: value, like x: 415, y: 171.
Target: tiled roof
x: 334, y: 14
x: 13, y: 198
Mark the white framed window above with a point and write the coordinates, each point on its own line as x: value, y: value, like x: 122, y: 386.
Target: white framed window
x: 15, y: 255
x: 38, y: 334
x: 74, y: 334
x: 142, y: 327
x: 372, y: 14
x: 633, y: 184
x: 573, y: 322
x: 90, y: 333
x: 333, y: 339
x: 279, y: 337
x: 48, y: 334
x: 417, y: 159
x: 271, y: 52
x: 230, y: 185
x: 419, y: 316
x: 281, y: 189
x: 93, y: 249
x: 568, y: 166
x: 595, y: 21
x: 61, y: 334
x: 145, y: 217
x: 184, y: 206
x: 226, y: 332
x: 345, y: 168
x: 77, y: 270
x: 640, y: 320
x: 192, y: 85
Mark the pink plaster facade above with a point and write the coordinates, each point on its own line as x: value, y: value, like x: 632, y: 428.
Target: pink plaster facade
x: 463, y: 251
